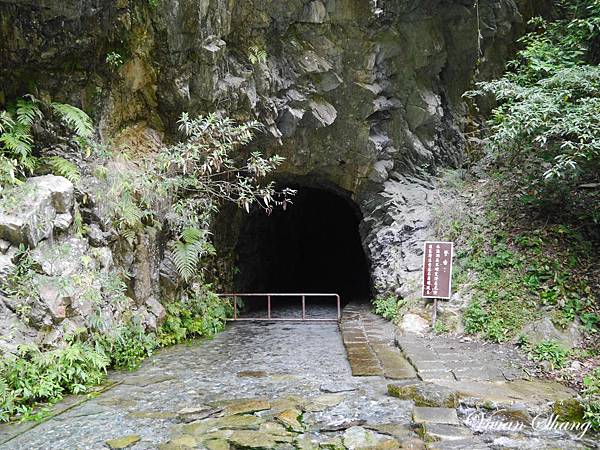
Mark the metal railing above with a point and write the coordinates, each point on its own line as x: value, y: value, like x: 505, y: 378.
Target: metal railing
x: 287, y: 319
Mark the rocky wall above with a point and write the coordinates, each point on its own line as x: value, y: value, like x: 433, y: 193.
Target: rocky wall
x: 361, y: 95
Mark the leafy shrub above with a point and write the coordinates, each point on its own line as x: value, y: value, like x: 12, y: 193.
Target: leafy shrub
x: 196, y: 314
x: 475, y: 318
x: 35, y: 376
x: 544, y: 132
x: 550, y: 351
x: 201, y: 171
x: 127, y: 346
x: 591, y: 393
x: 441, y: 327
x: 387, y: 307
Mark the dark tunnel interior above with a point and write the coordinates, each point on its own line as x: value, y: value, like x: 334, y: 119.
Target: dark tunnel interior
x: 313, y: 246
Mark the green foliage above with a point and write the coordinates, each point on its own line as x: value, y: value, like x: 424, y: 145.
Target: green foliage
x: 127, y: 345
x: 441, y: 327
x: 514, y: 275
x: 591, y: 393
x: 553, y: 120
x: 35, y: 376
x: 544, y: 132
x: 187, y: 251
x: 130, y: 200
x: 387, y: 307
x: 196, y: 314
x: 501, y: 307
x: 475, y: 318
x: 550, y: 351
x: 256, y: 55
x: 201, y: 172
x: 114, y: 60
x: 16, y: 139
x: 63, y: 167
x: 77, y: 120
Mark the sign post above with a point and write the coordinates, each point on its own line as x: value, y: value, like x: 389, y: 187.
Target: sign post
x: 437, y: 272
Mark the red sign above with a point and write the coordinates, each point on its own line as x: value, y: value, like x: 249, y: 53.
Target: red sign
x: 437, y: 269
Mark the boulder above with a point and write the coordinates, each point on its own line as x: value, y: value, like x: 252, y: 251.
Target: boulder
x: 28, y: 211
x: 62, y: 222
x: 61, y: 258
x: 56, y: 336
x: 60, y: 189
x: 29, y: 219
x: 14, y: 331
x: 321, y: 114
x: 4, y: 246
x: 96, y: 236
x: 380, y: 170
x: 104, y: 257
x: 544, y: 330
x: 6, y: 265
x: 289, y: 120
x: 314, y: 12
x: 54, y: 299
x: 156, y: 308
x: 413, y: 323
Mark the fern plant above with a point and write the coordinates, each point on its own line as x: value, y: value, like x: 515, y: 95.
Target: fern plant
x: 77, y: 120
x: 63, y: 167
x: 257, y: 55
x: 187, y: 251
x: 16, y: 139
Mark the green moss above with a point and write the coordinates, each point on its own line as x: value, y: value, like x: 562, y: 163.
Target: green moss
x: 569, y: 410
x: 417, y: 395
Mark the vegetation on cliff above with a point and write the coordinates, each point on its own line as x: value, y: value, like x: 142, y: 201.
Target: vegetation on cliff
x: 195, y: 175
x: 533, y: 248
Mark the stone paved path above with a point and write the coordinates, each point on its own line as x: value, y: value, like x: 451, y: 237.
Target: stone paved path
x: 450, y: 358
x: 369, y: 342
x: 275, y: 385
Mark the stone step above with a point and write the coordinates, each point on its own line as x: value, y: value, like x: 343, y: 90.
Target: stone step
x: 370, y: 346
x: 429, y: 415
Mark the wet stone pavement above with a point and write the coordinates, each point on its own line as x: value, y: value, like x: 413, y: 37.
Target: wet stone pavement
x: 281, y: 385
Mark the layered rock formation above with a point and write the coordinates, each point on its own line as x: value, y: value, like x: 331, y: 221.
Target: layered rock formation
x: 361, y: 96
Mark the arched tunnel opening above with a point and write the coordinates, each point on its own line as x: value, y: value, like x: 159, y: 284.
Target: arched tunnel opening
x: 312, y: 246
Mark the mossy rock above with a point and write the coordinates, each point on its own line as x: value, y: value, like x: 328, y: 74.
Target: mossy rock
x: 425, y: 394
x: 123, y: 442
x: 570, y: 410
x: 332, y: 444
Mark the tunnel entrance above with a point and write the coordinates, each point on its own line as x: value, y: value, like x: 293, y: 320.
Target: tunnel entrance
x: 313, y: 246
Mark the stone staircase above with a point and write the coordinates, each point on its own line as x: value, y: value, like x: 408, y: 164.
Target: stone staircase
x: 370, y: 345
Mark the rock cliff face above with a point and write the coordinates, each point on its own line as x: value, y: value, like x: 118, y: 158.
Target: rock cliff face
x: 364, y: 96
